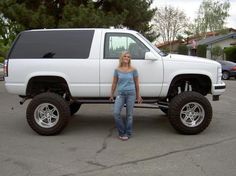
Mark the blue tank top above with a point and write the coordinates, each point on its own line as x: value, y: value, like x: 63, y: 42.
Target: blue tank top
x: 125, y: 80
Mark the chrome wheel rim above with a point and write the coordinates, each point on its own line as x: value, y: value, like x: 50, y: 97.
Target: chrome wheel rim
x: 46, y: 115
x: 192, y: 114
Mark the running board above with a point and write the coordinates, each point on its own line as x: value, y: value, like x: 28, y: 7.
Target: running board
x: 148, y: 104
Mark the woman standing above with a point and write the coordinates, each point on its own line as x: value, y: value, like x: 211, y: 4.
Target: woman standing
x: 127, y: 83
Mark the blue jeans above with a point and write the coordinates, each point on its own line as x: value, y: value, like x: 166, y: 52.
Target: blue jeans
x: 124, y: 127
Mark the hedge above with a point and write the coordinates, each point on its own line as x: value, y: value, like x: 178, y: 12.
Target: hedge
x: 1, y: 59
x: 201, y: 50
x: 230, y: 53
x: 182, y: 49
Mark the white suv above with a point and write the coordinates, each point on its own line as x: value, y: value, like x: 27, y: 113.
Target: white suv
x: 60, y: 69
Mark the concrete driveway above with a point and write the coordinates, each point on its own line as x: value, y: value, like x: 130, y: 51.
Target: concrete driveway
x: 89, y: 144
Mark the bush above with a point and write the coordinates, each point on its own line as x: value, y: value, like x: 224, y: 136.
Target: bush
x: 217, y: 52
x: 166, y: 49
x: 1, y: 59
x: 201, y: 50
x: 3, y: 50
x: 230, y: 53
x: 182, y: 49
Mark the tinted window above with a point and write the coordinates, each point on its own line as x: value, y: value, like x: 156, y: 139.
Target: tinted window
x: 53, y: 44
x: 116, y: 43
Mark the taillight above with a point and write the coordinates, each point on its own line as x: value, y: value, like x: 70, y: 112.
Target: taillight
x: 5, y: 68
x: 233, y: 68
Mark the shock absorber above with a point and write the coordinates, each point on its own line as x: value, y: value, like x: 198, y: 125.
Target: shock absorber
x: 188, y: 86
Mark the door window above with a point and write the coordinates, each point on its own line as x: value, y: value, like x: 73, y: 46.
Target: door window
x: 116, y: 43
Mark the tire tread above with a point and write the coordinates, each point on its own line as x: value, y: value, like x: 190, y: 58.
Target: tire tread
x: 63, y: 109
x: 177, y: 103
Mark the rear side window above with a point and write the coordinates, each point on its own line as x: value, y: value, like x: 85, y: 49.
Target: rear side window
x: 53, y: 44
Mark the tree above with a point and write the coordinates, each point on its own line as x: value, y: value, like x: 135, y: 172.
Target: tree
x: 169, y: 22
x: 8, y: 32
x: 31, y: 14
x: 211, y: 16
x: 18, y: 15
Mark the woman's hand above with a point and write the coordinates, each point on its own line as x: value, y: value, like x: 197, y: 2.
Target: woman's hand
x: 111, y: 98
x: 139, y: 99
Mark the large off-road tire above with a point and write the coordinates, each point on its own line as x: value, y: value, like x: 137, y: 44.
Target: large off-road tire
x: 74, y: 107
x: 48, y: 113
x: 190, y: 113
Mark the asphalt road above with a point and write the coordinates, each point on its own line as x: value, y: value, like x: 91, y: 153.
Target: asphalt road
x: 89, y: 145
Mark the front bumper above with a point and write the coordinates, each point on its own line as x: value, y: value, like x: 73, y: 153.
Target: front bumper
x: 217, y: 90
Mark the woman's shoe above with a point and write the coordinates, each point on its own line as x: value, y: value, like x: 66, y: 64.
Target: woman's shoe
x: 123, y: 138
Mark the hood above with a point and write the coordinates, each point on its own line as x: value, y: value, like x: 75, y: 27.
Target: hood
x: 184, y: 58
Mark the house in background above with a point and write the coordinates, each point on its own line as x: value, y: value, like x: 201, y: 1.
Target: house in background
x: 223, y: 41
x: 211, y: 39
x: 170, y: 46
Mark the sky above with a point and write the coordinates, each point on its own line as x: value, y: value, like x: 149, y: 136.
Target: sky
x: 190, y: 7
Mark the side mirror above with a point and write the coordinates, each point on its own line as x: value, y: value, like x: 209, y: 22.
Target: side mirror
x: 150, y: 56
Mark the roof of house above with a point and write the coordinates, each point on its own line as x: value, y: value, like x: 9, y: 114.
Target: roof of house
x: 165, y: 44
x: 214, y: 39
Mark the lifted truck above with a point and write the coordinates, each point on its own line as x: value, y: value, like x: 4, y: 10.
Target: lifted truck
x: 60, y: 69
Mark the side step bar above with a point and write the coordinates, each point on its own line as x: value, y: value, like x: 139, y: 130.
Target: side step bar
x: 148, y: 104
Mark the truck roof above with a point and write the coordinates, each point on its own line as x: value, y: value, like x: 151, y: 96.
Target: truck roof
x: 75, y: 29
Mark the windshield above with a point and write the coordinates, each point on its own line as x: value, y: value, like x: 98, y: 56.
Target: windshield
x: 162, y: 53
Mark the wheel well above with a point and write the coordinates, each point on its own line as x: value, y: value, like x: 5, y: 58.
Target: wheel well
x: 199, y: 83
x: 40, y: 84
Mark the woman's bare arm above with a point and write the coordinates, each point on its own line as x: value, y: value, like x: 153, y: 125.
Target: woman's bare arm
x: 113, y: 87
x: 139, y: 98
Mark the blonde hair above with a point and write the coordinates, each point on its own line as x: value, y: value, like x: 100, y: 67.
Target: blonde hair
x: 121, y: 59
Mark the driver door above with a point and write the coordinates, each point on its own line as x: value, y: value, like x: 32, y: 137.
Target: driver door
x: 150, y: 72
